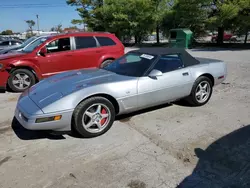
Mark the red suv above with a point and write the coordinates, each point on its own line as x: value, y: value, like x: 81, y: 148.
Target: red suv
x: 55, y: 54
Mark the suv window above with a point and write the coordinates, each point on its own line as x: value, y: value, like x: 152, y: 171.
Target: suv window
x: 85, y: 42
x: 169, y: 63
x: 59, y: 45
x: 105, y: 41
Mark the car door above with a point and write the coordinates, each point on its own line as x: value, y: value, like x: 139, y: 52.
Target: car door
x: 85, y: 52
x: 58, y: 58
x: 175, y: 82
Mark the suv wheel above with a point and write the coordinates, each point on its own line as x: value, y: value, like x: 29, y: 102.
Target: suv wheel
x: 21, y: 79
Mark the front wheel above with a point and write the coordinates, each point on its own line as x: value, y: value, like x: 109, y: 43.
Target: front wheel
x: 93, y: 117
x: 21, y: 79
x: 201, y: 91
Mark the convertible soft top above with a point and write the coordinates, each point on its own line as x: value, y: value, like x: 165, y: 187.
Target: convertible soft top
x: 187, y: 59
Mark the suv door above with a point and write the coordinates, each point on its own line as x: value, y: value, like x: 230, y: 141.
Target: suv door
x: 85, y: 52
x: 58, y: 57
x: 175, y: 82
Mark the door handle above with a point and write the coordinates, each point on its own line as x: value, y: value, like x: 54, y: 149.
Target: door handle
x: 98, y: 51
x: 69, y: 55
x: 185, y: 74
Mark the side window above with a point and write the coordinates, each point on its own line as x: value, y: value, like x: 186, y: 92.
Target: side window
x: 169, y: 63
x: 85, y: 42
x: 5, y: 43
x: 15, y: 43
x: 58, y: 45
x: 105, y: 41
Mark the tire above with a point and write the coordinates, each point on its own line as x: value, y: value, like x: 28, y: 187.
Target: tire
x: 195, y: 95
x: 89, y: 106
x: 26, y: 77
x: 106, y: 62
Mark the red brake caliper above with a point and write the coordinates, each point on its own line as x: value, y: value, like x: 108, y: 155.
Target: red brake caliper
x: 103, y: 111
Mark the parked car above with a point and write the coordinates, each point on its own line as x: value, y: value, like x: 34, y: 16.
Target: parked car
x: 226, y: 37
x: 89, y: 100
x: 7, y: 43
x: 55, y: 54
x: 20, y: 47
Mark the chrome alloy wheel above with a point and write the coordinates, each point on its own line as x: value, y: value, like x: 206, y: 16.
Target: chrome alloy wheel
x: 21, y: 81
x: 96, y: 118
x: 202, y: 92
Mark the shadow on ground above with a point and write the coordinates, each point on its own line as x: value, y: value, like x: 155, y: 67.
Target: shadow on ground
x: 224, y: 164
x: 127, y: 117
x: 25, y: 134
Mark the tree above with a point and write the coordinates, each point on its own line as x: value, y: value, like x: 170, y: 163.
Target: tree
x: 89, y: 11
x: 30, y: 23
x: 162, y: 7
x: 58, y: 28
x: 243, y: 19
x: 223, y: 16
x: 7, y: 32
x: 191, y: 14
x: 128, y: 17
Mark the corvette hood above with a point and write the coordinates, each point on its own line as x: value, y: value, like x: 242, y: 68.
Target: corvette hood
x: 55, y: 87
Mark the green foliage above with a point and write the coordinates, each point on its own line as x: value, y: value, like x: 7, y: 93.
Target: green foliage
x: 191, y: 14
x: 128, y: 17
x: 30, y: 23
x: 7, y: 32
x: 138, y: 18
x: 224, y: 13
x: 89, y: 11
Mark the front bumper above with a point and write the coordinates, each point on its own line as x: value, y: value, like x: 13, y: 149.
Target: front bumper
x: 27, y: 118
x: 4, y: 75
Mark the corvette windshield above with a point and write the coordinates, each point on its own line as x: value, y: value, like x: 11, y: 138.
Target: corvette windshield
x: 131, y: 64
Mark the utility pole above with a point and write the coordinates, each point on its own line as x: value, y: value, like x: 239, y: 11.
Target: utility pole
x: 38, y: 24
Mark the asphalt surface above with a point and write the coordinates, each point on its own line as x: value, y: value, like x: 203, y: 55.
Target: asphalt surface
x: 160, y: 147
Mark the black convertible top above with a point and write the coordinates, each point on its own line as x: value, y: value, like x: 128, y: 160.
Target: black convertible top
x: 187, y: 59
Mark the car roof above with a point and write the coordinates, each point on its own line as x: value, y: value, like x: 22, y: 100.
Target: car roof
x: 187, y: 59
x: 13, y: 40
x: 82, y: 34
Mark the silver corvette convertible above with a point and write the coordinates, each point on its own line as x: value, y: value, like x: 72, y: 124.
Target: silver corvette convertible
x: 88, y: 100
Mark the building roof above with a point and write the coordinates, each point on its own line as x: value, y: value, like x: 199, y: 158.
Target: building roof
x: 187, y: 59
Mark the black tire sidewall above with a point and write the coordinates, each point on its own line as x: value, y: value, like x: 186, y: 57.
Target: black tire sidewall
x: 25, y: 71
x: 193, y: 93
x: 86, y: 104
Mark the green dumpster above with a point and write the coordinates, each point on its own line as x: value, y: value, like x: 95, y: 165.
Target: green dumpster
x: 180, y: 38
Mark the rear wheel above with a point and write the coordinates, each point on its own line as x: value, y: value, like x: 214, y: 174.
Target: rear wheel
x: 93, y: 117
x: 106, y: 62
x: 20, y: 80
x: 201, y: 91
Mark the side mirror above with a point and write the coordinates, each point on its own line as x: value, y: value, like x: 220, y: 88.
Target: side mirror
x: 155, y: 73
x: 43, y: 51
